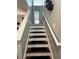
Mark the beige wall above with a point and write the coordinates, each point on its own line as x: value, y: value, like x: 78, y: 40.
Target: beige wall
x: 22, y: 7
x: 54, y: 18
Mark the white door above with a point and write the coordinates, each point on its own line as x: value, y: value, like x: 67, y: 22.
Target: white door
x: 36, y: 17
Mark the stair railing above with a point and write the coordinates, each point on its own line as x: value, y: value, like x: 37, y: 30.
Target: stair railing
x: 22, y: 35
x: 52, y: 32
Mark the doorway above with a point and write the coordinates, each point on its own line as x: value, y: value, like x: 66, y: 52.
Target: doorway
x: 36, y: 17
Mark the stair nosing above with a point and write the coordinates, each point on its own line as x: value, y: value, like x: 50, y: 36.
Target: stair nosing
x: 37, y: 39
x: 32, y: 30
x: 37, y: 26
x: 37, y: 45
x: 37, y: 34
x: 38, y: 54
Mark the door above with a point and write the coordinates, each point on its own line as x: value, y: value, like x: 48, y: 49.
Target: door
x: 36, y: 17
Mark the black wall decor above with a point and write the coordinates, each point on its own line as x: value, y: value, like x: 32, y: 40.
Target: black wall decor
x: 49, y: 5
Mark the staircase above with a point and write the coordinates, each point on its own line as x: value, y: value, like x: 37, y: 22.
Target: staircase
x: 38, y: 46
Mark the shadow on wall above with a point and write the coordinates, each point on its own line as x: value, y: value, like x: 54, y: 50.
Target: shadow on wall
x: 22, y: 8
x: 19, y: 20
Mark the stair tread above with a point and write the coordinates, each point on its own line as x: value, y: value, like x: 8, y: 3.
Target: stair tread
x: 36, y: 30
x: 37, y: 39
x: 37, y: 45
x: 37, y: 34
x: 37, y: 27
x: 38, y: 54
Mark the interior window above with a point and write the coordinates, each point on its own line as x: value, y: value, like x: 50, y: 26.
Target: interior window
x: 38, y: 2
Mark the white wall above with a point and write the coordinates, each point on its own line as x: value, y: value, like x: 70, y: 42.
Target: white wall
x: 54, y: 18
